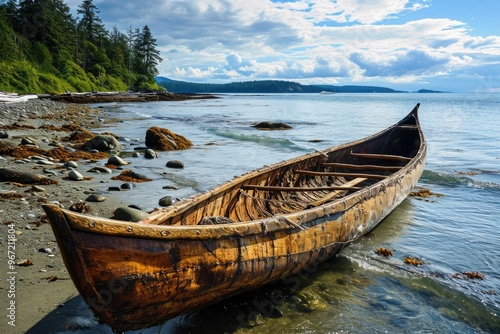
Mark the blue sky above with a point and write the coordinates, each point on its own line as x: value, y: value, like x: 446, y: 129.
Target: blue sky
x: 402, y: 44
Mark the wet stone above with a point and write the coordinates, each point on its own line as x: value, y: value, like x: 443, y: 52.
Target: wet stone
x: 116, y: 160
x: 175, y: 164
x: 166, y: 201
x: 71, y: 164
x: 127, y: 186
x: 150, y: 154
x: 95, y: 198
x: 100, y: 169
x: 75, y: 176
x: 129, y: 214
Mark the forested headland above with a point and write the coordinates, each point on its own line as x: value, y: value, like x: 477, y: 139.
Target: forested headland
x: 45, y: 49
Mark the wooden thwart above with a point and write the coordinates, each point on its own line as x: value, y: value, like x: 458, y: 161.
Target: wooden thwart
x: 380, y: 156
x: 336, y: 193
x: 365, y: 167
x: 369, y: 176
x: 276, y: 188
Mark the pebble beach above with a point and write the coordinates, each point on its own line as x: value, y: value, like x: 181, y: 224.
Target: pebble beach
x: 30, y: 178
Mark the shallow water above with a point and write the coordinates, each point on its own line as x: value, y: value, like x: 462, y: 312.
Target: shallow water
x: 358, y: 291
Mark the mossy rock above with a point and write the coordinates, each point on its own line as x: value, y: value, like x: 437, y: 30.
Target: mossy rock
x: 165, y: 140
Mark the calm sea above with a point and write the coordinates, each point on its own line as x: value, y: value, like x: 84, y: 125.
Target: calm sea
x: 358, y: 291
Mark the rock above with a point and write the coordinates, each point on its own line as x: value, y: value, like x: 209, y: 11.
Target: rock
x: 131, y: 176
x: 28, y: 141
x: 175, y: 164
x: 171, y: 187
x: 37, y: 189
x: 165, y: 140
x: 116, y: 160
x: 95, y: 198
x: 102, y: 143
x: 9, y: 175
x: 100, y: 169
x: 150, y: 154
x: 128, y: 186
x: 166, y: 201
x: 129, y: 214
x: 75, y: 176
x: 3, y: 135
x: 71, y: 164
x: 44, y: 162
x: 272, y: 126
x: 45, y: 250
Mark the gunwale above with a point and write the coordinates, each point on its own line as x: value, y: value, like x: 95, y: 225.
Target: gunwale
x: 137, y: 275
x: 149, y: 228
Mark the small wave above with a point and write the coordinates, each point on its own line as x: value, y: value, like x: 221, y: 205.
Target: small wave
x: 266, y: 141
x: 456, y: 180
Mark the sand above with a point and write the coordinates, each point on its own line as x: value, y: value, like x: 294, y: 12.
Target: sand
x: 39, y: 284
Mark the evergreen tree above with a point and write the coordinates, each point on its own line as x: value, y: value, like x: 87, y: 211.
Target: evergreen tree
x: 90, y: 22
x: 43, y: 48
x: 147, y: 57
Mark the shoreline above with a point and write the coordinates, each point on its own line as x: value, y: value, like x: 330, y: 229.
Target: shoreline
x: 41, y: 283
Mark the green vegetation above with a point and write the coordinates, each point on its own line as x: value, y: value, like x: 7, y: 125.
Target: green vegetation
x: 264, y: 86
x: 44, y: 49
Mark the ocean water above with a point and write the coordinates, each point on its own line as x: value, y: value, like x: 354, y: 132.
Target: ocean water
x: 455, y: 231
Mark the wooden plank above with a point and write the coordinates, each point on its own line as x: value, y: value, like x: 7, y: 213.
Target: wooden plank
x: 369, y: 167
x: 277, y: 188
x: 333, y: 194
x: 369, y: 176
x: 380, y: 156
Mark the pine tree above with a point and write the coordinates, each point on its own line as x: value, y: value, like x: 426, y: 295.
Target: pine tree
x: 90, y: 22
x: 147, y: 57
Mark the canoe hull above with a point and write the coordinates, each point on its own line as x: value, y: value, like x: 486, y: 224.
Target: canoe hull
x: 136, y: 276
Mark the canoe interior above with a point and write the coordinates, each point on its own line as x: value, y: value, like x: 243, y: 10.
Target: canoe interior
x: 355, y: 166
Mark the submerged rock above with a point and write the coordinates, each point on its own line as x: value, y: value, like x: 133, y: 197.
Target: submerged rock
x: 175, y: 164
x: 272, y: 126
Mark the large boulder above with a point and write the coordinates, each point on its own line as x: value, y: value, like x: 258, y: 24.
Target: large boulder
x: 165, y: 140
x: 102, y: 143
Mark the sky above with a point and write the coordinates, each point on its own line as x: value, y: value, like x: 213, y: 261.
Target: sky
x: 402, y: 44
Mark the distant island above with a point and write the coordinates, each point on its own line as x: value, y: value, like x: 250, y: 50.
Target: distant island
x: 268, y: 86
x: 430, y: 91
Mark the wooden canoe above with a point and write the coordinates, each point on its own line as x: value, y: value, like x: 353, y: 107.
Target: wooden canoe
x: 253, y: 230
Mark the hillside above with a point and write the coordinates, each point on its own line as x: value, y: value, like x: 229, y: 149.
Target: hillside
x: 264, y: 86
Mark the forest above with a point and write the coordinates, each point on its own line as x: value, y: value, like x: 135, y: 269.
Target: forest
x: 45, y: 49
x: 264, y: 86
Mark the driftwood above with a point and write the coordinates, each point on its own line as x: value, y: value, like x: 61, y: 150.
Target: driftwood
x: 88, y: 98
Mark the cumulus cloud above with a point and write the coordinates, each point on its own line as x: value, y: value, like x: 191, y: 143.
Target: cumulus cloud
x: 303, y: 40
